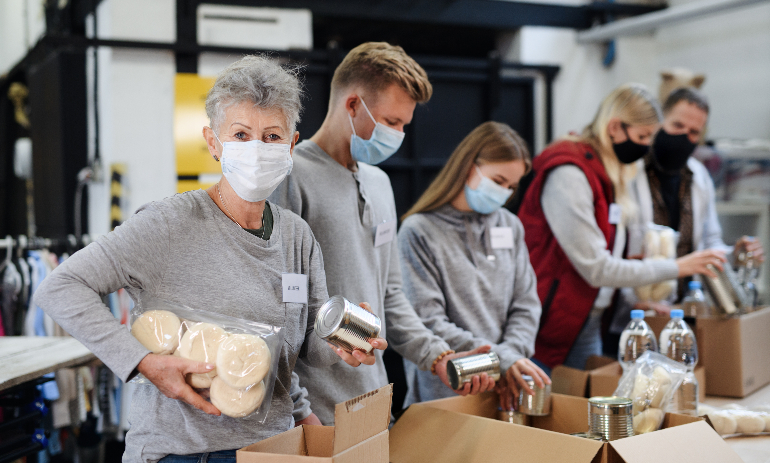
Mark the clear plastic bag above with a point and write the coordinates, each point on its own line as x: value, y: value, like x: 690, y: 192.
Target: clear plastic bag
x: 735, y: 420
x: 245, y: 353
x: 660, y: 242
x: 650, y: 384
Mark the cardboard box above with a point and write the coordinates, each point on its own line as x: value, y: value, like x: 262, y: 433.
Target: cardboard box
x: 604, y: 380
x: 571, y: 381
x: 359, y: 435
x: 459, y: 429
x: 735, y: 351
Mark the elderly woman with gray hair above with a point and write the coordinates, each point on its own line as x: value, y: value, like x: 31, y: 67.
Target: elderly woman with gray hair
x: 223, y: 250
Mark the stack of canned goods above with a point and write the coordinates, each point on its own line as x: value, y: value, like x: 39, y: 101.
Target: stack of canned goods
x: 610, y: 417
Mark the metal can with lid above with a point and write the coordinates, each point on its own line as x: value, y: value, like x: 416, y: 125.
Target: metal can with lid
x: 610, y: 417
x: 538, y: 404
x: 512, y: 416
x: 462, y: 370
x: 346, y: 325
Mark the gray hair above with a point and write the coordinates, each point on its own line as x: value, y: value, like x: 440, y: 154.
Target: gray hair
x: 260, y: 80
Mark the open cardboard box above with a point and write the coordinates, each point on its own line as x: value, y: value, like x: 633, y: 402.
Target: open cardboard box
x: 359, y: 435
x: 735, y: 352
x: 463, y: 429
x: 571, y: 381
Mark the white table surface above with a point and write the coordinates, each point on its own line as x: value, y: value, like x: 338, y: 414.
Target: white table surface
x: 754, y: 449
x: 24, y: 358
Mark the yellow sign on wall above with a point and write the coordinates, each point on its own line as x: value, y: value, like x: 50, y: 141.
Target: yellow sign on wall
x: 192, y: 154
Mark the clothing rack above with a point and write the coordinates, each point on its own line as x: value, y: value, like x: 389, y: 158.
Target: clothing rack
x: 24, y: 243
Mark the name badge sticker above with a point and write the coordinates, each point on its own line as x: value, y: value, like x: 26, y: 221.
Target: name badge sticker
x: 294, y: 287
x: 385, y: 233
x: 616, y: 212
x: 501, y: 237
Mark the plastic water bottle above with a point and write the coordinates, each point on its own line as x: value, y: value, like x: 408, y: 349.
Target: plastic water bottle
x: 635, y: 340
x: 694, y: 303
x: 677, y: 342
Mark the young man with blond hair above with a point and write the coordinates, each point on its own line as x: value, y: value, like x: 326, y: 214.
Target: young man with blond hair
x: 350, y: 208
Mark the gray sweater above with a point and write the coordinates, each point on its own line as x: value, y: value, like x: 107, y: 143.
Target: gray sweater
x: 466, y: 291
x: 184, y: 249
x: 568, y: 205
x: 343, y: 209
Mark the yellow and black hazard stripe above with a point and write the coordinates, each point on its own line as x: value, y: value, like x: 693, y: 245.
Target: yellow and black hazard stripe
x: 117, y: 175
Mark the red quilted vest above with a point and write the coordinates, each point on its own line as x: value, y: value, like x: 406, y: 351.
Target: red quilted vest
x: 566, y: 297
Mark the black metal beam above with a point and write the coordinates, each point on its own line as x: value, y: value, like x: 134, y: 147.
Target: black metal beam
x: 491, y: 14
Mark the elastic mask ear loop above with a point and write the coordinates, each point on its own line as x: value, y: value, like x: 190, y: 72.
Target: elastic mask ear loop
x: 351, y: 124
x: 220, y: 142
x: 367, y: 111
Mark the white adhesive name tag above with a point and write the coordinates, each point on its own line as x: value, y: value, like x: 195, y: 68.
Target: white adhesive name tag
x: 294, y: 287
x: 385, y: 233
x: 616, y: 212
x: 501, y: 238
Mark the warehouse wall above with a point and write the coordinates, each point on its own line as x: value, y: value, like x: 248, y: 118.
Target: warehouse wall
x: 22, y: 22
x: 136, y: 106
x: 732, y: 49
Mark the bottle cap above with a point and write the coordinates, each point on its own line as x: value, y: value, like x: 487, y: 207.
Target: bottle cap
x: 677, y: 313
x: 694, y: 285
x: 637, y: 314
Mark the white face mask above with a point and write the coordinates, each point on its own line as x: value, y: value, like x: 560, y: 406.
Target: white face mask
x: 254, y: 168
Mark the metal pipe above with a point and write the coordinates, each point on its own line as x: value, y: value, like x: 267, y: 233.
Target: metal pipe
x: 650, y: 21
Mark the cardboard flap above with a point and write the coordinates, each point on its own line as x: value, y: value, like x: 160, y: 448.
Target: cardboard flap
x: 478, y: 405
x: 361, y: 418
x: 568, y: 415
x: 569, y: 381
x: 372, y: 450
x: 291, y: 442
x: 666, y: 445
x: 426, y: 434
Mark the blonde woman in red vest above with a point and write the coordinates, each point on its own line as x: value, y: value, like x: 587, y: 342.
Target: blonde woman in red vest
x: 574, y: 211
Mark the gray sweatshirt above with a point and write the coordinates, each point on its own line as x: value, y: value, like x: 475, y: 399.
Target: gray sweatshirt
x: 185, y: 250
x: 343, y: 208
x: 467, y: 289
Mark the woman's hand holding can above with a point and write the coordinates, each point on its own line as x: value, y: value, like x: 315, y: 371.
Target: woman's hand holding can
x: 356, y: 357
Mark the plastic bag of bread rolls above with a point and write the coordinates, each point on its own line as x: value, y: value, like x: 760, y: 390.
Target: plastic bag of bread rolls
x: 659, y: 243
x: 734, y: 420
x: 650, y: 384
x: 245, y: 352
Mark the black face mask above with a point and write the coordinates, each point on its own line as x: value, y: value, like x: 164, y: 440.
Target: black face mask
x: 672, y: 151
x: 629, y: 151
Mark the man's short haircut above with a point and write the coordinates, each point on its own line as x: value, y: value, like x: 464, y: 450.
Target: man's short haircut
x: 376, y: 66
x: 689, y: 95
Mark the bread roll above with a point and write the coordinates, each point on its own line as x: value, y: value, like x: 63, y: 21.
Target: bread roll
x: 648, y: 421
x: 661, y: 291
x: 766, y: 419
x: 158, y: 331
x: 644, y: 293
x: 201, y: 343
x: 749, y: 423
x: 723, y: 423
x: 236, y: 402
x: 639, y: 395
x: 667, y: 243
x: 243, y: 360
x: 651, y: 243
x: 660, y: 385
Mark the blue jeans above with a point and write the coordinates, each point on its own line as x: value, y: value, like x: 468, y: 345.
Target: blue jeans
x: 222, y: 456
x: 588, y: 342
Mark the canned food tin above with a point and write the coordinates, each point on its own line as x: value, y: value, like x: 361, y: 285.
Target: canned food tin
x: 513, y: 417
x: 538, y: 404
x: 587, y: 435
x: 610, y: 417
x: 346, y: 325
x: 462, y: 370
